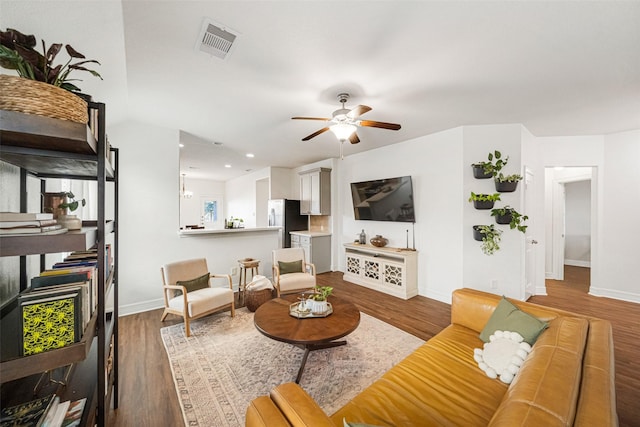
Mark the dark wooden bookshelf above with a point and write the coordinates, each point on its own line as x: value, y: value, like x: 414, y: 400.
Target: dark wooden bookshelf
x: 43, y: 148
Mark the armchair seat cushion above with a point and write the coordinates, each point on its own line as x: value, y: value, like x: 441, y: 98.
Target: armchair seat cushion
x: 203, y: 300
x: 296, y: 281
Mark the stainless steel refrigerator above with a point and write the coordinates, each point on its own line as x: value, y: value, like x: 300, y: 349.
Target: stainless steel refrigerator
x: 286, y: 214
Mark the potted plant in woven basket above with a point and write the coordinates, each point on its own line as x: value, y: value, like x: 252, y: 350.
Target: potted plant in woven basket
x: 42, y: 88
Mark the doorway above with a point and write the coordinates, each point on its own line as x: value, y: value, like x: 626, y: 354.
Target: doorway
x: 570, y: 223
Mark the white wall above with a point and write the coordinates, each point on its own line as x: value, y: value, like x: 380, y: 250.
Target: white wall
x: 191, y: 208
x: 148, y: 223
x: 434, y: 163
x: 502, y: 272
x: 620, y: 214
x: 241, y: 196
x: 578, y: 223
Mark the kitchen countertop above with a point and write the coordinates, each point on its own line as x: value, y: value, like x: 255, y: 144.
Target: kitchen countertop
x: 311, y: 233
x: 201, y: 231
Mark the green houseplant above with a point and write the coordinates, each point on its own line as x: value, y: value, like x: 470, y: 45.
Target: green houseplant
x: 70, y: 204
x: 490, y: 237
x: 508, y: 215
x: 317, y: 301
x: 491, y: 167
x: 484, y: 201
x: 17, y: 52
x: 507, y: 183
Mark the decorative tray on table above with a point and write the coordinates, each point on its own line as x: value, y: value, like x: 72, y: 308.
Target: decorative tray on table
x: 295, y: 311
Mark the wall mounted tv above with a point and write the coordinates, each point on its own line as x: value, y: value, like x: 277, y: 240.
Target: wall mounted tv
x: 389, y: 199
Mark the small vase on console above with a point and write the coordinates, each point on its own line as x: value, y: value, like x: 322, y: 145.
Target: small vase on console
x: 379, y: 241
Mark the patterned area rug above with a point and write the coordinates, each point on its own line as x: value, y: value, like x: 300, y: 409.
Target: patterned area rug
x: 226, y: 363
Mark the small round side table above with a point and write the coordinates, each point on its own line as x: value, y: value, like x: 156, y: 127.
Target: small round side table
x: 246, y: 265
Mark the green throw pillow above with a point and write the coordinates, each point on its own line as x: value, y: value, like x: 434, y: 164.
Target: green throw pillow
x: 194, y: 284
x: 290, y: 267
x: 508, y: 317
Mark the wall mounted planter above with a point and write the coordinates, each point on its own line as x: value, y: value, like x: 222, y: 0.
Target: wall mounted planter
x: 477, y: 235
x: 483, y: 204
x: 479, y: 173
x: 506, y: 186
x: 504, y: 219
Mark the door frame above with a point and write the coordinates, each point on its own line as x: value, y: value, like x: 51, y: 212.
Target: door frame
x: 557, y: 226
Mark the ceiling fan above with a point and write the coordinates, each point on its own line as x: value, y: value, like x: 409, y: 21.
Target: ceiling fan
x: 344, y: 122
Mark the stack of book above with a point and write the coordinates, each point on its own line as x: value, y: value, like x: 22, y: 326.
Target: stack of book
x: 46, y: 411
x: 27, y: 224
x: 57, y: 307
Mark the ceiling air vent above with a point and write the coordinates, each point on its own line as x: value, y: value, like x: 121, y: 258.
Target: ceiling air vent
x: 216, y: 40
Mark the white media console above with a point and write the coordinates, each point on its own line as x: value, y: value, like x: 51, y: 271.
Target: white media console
x: 389, y: 270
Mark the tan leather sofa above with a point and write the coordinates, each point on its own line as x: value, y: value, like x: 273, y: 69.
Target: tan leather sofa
x: 567, y: 379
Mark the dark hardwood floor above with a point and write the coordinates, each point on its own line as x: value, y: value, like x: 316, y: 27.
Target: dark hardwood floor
x: 148, y: 396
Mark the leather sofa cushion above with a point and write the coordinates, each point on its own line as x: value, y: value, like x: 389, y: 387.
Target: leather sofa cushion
x: 545, y: 391
x: 437, y: 385
x: 598, y: 387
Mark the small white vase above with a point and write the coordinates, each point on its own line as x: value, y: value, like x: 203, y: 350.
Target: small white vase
x: 70, y: 222
x: 317, y: 306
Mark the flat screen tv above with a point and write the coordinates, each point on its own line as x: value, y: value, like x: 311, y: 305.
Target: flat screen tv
x: 389, y: 199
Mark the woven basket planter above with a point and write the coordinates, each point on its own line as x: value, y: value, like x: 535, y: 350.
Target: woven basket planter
x: 33, y: 97
x: 256, y: 298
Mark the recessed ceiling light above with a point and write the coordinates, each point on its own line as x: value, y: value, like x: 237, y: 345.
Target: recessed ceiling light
x: 227, y: 166
x: 250, y: 155
x: 181, y: 145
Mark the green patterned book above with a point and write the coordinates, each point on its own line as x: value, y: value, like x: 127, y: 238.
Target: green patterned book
x: 28, y: 414
x: 50, y: 321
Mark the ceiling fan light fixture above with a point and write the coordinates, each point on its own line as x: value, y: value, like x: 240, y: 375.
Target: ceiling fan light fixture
x: 343, y: 131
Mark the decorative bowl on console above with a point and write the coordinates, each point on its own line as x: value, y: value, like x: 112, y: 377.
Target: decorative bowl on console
x: 379, y: 241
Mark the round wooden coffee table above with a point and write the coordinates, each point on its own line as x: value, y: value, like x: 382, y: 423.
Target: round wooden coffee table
x: 273, y: 320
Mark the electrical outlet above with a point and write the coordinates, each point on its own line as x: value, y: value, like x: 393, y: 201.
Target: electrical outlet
x: 234, y: 271
x: 494, y: 284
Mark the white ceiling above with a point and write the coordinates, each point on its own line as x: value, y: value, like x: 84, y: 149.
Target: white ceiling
x: 559, y: 68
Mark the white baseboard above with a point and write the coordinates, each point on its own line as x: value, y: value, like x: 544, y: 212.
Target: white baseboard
x: 140, y: 307
x: 612, y: 293
x: 577, y: 263
x: 541, y: 290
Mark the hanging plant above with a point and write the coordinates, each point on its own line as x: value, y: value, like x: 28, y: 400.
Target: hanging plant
x: 483, y: 201
x: 491, y: 167
x: 507, y: 183
x: 490, y: 237
x: 508, y: 215
x: 17, y: 53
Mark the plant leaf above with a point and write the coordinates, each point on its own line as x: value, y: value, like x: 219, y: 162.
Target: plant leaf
x: 70, y: 87
x: 53, y: 51
x: 73, y: 53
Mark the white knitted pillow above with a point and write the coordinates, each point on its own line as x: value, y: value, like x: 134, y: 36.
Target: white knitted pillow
x: 503, y: 355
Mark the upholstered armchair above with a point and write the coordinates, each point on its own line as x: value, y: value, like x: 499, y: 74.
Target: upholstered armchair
x: 291, y: 272
x: 188, y: 291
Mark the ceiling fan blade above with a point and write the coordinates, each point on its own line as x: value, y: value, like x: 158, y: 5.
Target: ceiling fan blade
x: 311, y: 118
x: 383, y: 125
x: 357, y: 111
x: 354, y: 138
x: 313, y: 135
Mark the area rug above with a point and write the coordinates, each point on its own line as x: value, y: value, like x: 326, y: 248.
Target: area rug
x: 226, y: 363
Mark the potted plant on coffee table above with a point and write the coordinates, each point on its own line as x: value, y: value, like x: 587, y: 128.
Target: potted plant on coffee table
x: 490, y: 237
x: 317, y: 302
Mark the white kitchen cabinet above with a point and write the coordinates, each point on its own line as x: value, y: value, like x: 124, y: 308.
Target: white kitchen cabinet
x: 315, y: 192
x: 389, y: 270
x: 317, y: 248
